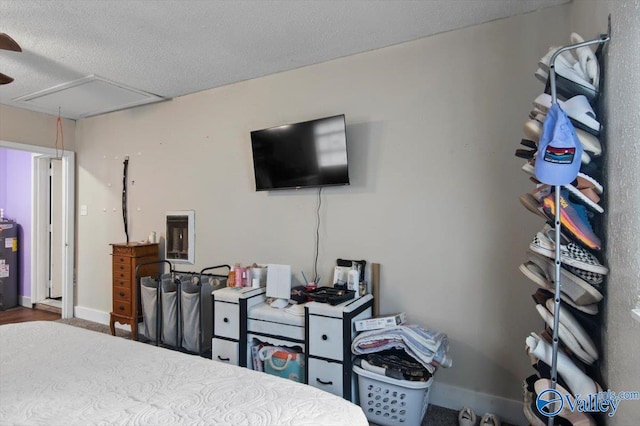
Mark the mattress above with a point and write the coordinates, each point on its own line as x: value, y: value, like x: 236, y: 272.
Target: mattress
x: 56, y: 374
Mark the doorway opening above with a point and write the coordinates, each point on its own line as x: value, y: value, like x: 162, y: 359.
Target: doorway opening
x: 49, y: 225
x: 52, y: 225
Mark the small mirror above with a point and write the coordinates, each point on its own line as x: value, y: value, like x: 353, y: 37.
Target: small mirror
x: 180, y: 243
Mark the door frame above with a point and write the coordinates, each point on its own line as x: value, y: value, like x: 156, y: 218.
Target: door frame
x: 55, y: 236
x: 68, y: 220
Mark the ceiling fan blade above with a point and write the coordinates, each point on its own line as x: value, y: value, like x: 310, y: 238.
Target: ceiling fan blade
x: 7, y: 43
x: 5, y: 79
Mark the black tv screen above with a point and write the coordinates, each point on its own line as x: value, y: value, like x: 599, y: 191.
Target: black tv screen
x: 308, y: 154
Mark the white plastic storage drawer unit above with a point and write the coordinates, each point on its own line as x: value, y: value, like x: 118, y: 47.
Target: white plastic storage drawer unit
x: 225, y: 351
x: 329, y: 333
x: 230, y: 306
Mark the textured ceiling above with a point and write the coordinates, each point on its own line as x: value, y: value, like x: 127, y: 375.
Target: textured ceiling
x: 172, y: 48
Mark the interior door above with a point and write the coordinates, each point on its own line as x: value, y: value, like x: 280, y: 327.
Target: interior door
x: 55, y: 229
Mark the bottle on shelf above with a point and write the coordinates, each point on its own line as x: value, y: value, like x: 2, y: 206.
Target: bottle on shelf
x: 241, y: 275
x: 231, y: 278
x: 353, y: 279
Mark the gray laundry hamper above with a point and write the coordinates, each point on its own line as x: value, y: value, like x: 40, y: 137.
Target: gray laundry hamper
x: 149, y: 295
x: 196, y: 310
x: 169, y: 303
x: 149, y: 299
x: 191, y: 316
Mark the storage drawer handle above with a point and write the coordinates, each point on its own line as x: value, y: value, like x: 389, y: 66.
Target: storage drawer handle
x: 324, y: 337
x: 122, y: 293
x: 122, y: 267
x: 322, y: 382
x: 225, y: 319
x: 121, y: 307
x: 224, y: 359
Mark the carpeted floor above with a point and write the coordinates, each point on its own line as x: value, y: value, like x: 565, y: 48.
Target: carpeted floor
x: 439, y: 416
x: 436, y: 416
x: 89, y: 325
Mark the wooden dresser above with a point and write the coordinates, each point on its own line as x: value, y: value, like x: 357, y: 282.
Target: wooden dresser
x: 125, y: 258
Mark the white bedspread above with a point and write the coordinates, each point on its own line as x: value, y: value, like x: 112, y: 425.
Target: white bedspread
x: 56, y: 374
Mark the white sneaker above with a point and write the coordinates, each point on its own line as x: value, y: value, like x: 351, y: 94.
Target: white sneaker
x: 466, y: 417
x: 490, y: 420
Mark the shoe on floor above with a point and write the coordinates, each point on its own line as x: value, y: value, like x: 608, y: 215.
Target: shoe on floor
x: 490, y: 419
x: 466, y: 417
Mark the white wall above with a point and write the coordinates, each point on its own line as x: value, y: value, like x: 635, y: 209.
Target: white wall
x: 431, y: 127
x: 34, y: 128
x: 621, y: 333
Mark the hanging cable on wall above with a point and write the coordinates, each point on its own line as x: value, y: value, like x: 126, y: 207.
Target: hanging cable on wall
x: 59, y: 134
x: 124, y: 197
x: 315, y: 262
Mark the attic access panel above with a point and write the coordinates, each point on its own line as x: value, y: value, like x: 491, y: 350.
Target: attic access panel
x: 86, y: 97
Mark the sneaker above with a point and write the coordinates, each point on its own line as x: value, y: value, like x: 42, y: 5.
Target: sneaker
x: 573, y: 218
x: 490, y: 419
x: 570, y: 253
x: 591, y: 277
x: 578, y: 290
x: 466, y: 417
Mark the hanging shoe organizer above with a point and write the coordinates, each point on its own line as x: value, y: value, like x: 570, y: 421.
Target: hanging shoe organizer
x: 565, y: 256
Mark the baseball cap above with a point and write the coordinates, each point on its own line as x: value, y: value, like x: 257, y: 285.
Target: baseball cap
x: 559, y: 149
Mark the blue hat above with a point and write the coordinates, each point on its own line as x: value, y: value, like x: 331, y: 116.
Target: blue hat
x: 559, y: 149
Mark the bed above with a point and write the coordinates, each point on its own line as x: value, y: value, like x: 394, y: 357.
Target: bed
x: 57, y: 374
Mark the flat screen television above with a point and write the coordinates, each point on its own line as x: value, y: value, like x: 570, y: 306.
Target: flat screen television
x: 308, y: 154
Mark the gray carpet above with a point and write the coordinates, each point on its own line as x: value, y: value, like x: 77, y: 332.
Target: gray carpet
x: 94, y: 326
x: 439, y: 416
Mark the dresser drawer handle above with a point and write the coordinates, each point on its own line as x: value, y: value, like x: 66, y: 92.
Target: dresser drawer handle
x: 324, y: 337
x: 121, y: 275
x: 224, y: 359
x: 225, y: 319
x: 121, y: 307
x: 322, y: 382
x: 121, y: 267
x: 122, y: 293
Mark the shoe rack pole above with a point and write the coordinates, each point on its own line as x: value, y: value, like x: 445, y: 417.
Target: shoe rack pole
x: 557, y: 223
x: 556, y: 299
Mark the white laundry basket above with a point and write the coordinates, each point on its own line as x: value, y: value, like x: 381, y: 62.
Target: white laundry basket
x: 390, y: 402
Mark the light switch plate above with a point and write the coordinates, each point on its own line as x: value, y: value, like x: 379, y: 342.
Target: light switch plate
x: 84, y: 210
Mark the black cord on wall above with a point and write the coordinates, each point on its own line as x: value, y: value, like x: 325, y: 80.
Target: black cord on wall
x: 315, y: 262
x: 124, y: 197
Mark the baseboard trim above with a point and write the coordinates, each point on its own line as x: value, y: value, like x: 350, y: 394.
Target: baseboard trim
x: 95, y: 315
x: 454, y: 398
x: 25, y: 301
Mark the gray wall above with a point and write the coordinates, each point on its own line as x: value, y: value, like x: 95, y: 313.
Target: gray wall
x: 621, y: 333
x: 431, y: 126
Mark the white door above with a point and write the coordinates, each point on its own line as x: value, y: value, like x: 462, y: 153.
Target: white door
x: 55, y: 229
